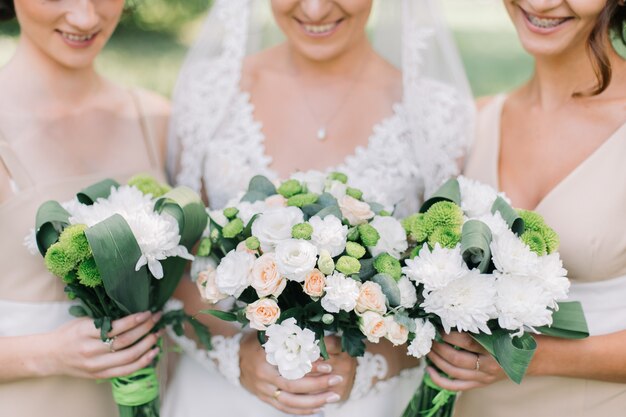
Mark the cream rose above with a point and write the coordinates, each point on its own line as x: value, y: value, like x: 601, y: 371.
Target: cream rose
x: 373, y: 326
x: 314, y: 283
x: 207, y: 286
x: 266, y: 279
x: 371, y: 298
x: 262, y: 313
x: 397, y: 334
x: 275, y: 201
x: 357, y: 212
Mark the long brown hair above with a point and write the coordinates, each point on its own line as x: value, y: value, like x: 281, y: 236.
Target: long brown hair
x: 7, y: 10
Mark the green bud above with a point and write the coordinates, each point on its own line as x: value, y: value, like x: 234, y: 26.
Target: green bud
x: 355, y: 250
x: 338, y: 176
x: 302, y: 231
x: 354, y: 193
x: 253, y: 243
x: 231, y: 212
x: 348, y: 265
x: 88, y: 273
x: 416, y: 227
x: 328, y: 318
x: 75, y: 242
x: 384, y: 213
x: 369, y: 235
x: 290, y: 188
x: 233, y: 228
x: 353, y: 234
x: 302, y: 200
x: 147, y: 184
x: 387, y: 264
x: 204, y: 249
x: 325, y: 263
x: 214, y: 235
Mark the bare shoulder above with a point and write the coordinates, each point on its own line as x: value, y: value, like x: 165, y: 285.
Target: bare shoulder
x: 153, y: 103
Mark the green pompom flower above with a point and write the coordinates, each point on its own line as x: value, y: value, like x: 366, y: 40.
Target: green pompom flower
x: 70, y: 277
x: 253, y: 243
x: 75, y: 242
x: 369, y: 235
x: 302, y: 231
x: 290, y: 188
x: 355, y: 250
x: 325, y: 263
x: 387, y: 264
x: 354, y: 193
x: 353, y: 234
x: 532, y: 221
x: 302, y: 200
x: 231, y: 212
x: 204, y: 248
x: 443, y: 213
x: 338, y: 176
x: 552, y: 240
x: 88, y: 273
x: 348, y: 265
x: 59, y: 261
x: 384, y: 213
x: 233, y: 228
x: 535, y: 242
x: 147, y: 184
x: 446, y: 237
x: 416, y: 227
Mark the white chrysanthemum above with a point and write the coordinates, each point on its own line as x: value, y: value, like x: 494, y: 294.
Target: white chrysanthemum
x: 295, y: 258
x: 522, y: 302
x: 495, y: 222
x: 424, y: 335
x: 274, y: 226
x: 329, y: 234
x: 292, y: 349
x: 512, y: 256
x: 30, y: 241
x: 476, y: 198
x: 553, y: 278
x: 315, y: 181
x: 466, y: 303
x: 392, y: 236
x: 234, y: 273
x: 341, y: 293
x: 72, y: 206
x: 247, y: 210
x: 408, y: 292
x: 436, y: 269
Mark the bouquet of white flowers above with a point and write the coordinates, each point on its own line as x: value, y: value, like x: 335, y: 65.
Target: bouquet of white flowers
x: 484, y: 268
x: 303, y: 260
x: 122, y: 250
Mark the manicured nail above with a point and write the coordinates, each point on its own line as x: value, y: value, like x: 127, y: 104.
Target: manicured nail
x: 141, y: 317
x: 333, y: 398
x: 335, y: 380
x: 156, y: 317
x: 325, y: 368
x: 154, y: 352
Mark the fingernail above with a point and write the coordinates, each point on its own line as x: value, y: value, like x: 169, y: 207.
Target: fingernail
x: 333, y: 398
x: 335, y: 380
x: 154, y: 352
x: 326, y: 368
x: 156, y: 317
x: 141, y: 317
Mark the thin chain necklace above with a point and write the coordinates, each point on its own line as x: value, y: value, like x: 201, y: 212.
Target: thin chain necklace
x: 322, y: 131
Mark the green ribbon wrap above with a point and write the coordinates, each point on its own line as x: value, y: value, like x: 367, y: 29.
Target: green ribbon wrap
x: 440, y: 400
x: 136, y: 389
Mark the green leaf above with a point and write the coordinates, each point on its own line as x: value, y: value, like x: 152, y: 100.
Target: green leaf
x: 376, y: 207
x: 247, y: 232
x: 475, y: 240
x: 402, y: 317
x: 510, y: 216
x: 50, y: 221
x: 330, y: 211
x: 261, y: 185
x: 222, y: 315
x: 187, y: 208
x: 98, y: 190
x: 352, y: 342
x: 512, y: 353
x: 322, y: 344
x: 449, y: 191
x: 116, y: 253
x: 390, y: 288
x: 78, y: 311
x: 105, y: 326
x: 367, y: 269
x: 327, y: 200
x: 567, y: 322
x: 163, y: 289
x: 253, y: 196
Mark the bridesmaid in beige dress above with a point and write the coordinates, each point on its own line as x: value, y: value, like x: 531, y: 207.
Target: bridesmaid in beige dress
x: 63, y: 127
x: 557, y: 145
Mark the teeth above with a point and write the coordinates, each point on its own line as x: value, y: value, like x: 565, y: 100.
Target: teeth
x: 77, y: 38
x: 319, y: 28
x: 545, y: 23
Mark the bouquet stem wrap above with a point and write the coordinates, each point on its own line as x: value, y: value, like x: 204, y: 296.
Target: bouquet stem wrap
x: 430, y: 400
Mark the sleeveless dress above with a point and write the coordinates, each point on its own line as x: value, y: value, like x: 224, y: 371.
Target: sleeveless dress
x: 587, y: 211
x: 32, y: 300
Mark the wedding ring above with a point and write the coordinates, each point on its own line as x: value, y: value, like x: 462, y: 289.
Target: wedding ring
x: 109, y: 343
x: 477, y: 368
x: 277, y: 393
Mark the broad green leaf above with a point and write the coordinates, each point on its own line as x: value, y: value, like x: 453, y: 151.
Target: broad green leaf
x: 253, y: 196
x: 449, y: 191
x: 50, y: 221
x: 367, y: 269
x: 567, y: 322
x: 326, y: 200
x: 311, y: 210
x: 163, y: 289
x: 330, y: 211
x: 187, y: 208
x: 352, y: 342
x: 475, y: 240
x: 514, y: 353
x: 222, y: 315
x: 98, y: 190
x: 261, y: 185
x: 390, y: 288
x: 322, y: 344
x: 376, y: 207
x: 509, y: 215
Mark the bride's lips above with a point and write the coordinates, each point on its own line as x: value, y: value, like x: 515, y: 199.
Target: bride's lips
x: 319, y: 30
x: 544, y: 25
x: 76, y: 40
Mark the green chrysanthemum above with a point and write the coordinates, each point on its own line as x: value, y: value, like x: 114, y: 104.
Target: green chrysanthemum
x: 88, y: 273
x: 534, y: 222
x: 369, y: 235
x: 535, y: 242
x: 416, y: 227
x: 302, y: 200
x: 231, y: 212
x: 446, y: 237
x: 75, y: 242
x: 443, y: 213
x: 290, y: 188
x: 302, y: 231
x: 325, y: 263
x: 353, y: 234
x: 348, y: 265
x: 415, y: 252
x: 253, y: 243
x: 355, y: 250
x: 233, y: 228
x: 204, y: 248
x: 354, y: 193
x: 70, y: 277
x: 384, y: 213
x: 149, y: 185
x: 338, y: 176
x: 59, y: 261
x: 552, y: 240
x: 387, y: 264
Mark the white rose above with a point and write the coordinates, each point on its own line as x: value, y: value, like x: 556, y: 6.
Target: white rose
x: 336, y: 188
x: 274, y: 226
x: 397, y: 334
x: 329, y: 234
x: 233, y: 273
x: 247, y: 210
x: 295, y: 258
x: 275, y: 201
x: 408, y: 292
x: 392, y: 236
x: 292, y: 349
x: 314, y: 180
x: 262, y: 313
x: 355, y: 211
x: 266, y: 279
x: 341, y: 293
x: 373, y: 326
x: 371, y: 298
x: 424, y: 335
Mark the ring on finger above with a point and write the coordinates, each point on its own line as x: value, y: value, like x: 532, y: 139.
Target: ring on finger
x: 477, y: 367
x: 109, y: 342
x: 277, y: 393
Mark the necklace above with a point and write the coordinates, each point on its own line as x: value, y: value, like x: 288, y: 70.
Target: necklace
x: 322, y: 131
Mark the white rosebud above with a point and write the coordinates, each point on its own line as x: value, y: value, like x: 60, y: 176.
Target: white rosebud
x: 371, y: 298
x: 355, y: 211
x: 266, y: 279
x: 234, y: 273
x: 408, y: 292
x: 373, y: 326
x: 274, y: 226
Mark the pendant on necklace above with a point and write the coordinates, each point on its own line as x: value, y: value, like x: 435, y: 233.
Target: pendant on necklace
x: 321, y: 134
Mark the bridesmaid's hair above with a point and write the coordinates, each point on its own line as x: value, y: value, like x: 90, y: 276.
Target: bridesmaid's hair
x: 612, y: 21
x: 7, y: 10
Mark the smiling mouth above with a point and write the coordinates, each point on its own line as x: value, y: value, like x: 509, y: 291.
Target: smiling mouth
x: 77, y: 38
x: 545, y: 22
x: 321, y: 29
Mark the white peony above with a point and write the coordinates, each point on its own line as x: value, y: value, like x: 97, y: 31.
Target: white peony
x: 512, y: 256
x: 476, y: 198
x: 341, y: 293
x: 355, y: 211
x: 408, y: 292
x: 329, y: 234
x: 234, y: 273
x: 392, y: 237
x: 291, y: 348
x: 435, y: 269
x: 274, y: 226
x: 315, y: 181
x: 466, y: 303
x: 424, y: 335
x: 295, y: 258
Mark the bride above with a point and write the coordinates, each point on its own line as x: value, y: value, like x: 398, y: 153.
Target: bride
x: 375, y: 91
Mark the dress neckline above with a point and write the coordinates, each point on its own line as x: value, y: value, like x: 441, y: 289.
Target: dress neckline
x: 499, y: 102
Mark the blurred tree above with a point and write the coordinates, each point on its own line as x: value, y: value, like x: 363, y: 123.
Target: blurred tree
x: 162, y: 15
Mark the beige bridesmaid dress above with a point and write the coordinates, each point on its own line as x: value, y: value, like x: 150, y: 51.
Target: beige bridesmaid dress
x: 588, y: 211
x: 31, y: 299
